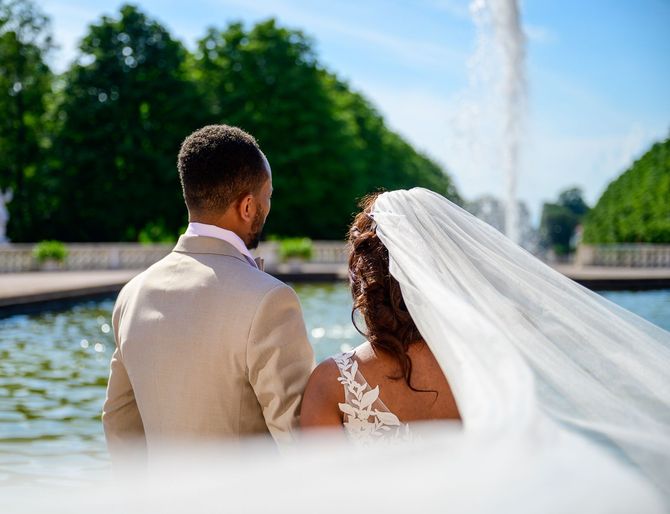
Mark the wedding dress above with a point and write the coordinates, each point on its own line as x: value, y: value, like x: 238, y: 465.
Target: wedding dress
x: 367, y: 420
x: 527, y: 352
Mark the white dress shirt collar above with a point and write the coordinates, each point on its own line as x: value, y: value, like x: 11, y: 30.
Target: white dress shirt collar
x: 202, y: 229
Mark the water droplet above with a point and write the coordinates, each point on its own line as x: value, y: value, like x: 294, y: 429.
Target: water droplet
x: 99, y: 347
x: 101, y: 320
x: 105, y: 328
x: 84, y: 343
x: 318, y: 332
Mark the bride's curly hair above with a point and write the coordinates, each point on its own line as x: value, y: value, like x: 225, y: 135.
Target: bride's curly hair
x: 377, y: 294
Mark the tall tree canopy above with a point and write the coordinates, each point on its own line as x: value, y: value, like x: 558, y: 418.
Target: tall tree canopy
x: 559, y: 220
x: 127, y: 105
x: 268, y: 82
x: 107, y: 165
x: 635, y: 208
x: 326, y: 145
x: 25, y: 83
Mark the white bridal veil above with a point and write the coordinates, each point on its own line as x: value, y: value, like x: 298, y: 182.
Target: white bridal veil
x: 522, y: 345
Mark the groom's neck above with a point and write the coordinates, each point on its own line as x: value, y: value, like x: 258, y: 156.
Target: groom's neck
x: 225, y: 221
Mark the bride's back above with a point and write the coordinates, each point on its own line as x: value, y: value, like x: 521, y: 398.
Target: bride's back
x: 431, y: 398
x: 393, y: 378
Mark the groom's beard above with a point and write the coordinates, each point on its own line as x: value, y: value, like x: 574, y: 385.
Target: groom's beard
x: 256, y: 230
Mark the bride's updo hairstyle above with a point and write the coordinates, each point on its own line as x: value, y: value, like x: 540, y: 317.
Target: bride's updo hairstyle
x: 377, y: 294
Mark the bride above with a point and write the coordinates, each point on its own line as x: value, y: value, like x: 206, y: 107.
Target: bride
x: 395, y: 356
x: 464, y: 325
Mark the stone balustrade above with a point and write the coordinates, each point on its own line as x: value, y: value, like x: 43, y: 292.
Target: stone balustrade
x: 19, y: 257
x: 98, y: 256
x: 624, y: 255
x: 16, y: 258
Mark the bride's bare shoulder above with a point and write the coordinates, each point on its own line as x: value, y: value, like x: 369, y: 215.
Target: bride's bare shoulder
x: 324, y: 392
x: 322, y: 395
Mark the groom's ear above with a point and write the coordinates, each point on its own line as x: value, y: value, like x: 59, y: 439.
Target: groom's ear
x: 245, y: 207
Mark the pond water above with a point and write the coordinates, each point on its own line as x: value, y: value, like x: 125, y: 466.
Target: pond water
x: 54, y: 366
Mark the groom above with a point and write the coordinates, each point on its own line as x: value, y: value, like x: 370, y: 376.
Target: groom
x: 208, y: 346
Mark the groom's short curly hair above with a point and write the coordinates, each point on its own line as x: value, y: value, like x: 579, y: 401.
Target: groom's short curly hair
x: 218, y: 165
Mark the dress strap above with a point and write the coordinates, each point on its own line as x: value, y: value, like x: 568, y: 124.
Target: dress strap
x: 365, y: 415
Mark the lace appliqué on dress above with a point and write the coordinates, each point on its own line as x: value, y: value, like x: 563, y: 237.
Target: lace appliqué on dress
x: 366, y: 419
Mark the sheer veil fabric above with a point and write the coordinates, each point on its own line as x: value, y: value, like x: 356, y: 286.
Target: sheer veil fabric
x: 526, y: 350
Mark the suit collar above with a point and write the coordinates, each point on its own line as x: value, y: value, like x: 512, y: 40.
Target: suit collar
x: 203, y: 229
x: 211, y: 245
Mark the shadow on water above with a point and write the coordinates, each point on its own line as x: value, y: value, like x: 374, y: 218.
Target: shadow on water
x: 53, y: 305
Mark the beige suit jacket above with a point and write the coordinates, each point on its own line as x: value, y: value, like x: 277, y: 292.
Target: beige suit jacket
x: 207, y: 348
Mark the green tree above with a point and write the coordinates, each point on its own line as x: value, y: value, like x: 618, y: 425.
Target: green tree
x: 327, y: 146
x: 25, y: 83
x: 635, y: 208
x: 127, y: 105
x: 559, y: 220
x: 98, y: 159
x: 268, y: 82
x: 388, y: 161
x: 572, y: 200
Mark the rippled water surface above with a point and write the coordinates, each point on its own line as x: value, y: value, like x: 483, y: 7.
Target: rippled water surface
x: 54, y: 366
x: 651, y: 305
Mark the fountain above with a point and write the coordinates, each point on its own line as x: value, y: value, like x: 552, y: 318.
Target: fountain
x: 499, y: 65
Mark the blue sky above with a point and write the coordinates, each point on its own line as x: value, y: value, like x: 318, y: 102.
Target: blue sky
x: 598, y: 75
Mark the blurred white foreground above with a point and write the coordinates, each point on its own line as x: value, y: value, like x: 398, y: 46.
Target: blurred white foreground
x: 445, y: 470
